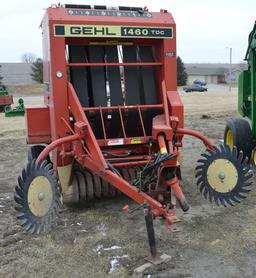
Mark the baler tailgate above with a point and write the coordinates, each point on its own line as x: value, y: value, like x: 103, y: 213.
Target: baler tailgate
x: 148, y: 75
x: 79, y: 76
x: 114, y: 88
x: 114, y: 76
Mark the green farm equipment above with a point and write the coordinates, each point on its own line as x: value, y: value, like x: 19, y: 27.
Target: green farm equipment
x: 5, y: 99
x: 17, y: 111
x: 3, y: 91
x: 239, y: 132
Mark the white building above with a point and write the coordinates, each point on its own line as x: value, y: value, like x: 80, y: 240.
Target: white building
x: 214, y: 73
x: 16, y: 73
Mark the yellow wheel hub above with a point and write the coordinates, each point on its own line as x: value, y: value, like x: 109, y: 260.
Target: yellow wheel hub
x: 254, y: 157
x: 40, y: 196
x: 222, y: 175
x: 230, y: 139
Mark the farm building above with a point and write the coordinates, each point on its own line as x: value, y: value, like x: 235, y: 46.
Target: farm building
x: 19, y: 73
x: 16, y: 73
x: 214, y: 73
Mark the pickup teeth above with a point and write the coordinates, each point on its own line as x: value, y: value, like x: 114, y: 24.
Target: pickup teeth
x: 87, y: 186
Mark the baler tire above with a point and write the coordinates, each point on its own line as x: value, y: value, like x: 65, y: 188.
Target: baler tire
x: 76, y: 189
x: 238, y: 133
x: 223, y: 176
x: 97, y: 186
x: 37, y: 197
x: 112, y: 190
x: 105, y: 188
x: 82, y: 185
x: 71, y: 197
x: 89, y: 186
x: 34, y: 152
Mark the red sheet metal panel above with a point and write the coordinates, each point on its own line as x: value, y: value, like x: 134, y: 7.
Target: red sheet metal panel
x: 6, y: 100
x: 161, y: 19
x: 38, y: 125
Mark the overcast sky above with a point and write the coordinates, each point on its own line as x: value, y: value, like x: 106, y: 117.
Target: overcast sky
x: 205, y: 29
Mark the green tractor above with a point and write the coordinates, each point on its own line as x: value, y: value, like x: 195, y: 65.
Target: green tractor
x: 239, y: 132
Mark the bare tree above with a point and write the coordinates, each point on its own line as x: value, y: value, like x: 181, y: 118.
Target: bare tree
x: 28, y: 57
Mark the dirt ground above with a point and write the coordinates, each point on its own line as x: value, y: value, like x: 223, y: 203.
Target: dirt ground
x: 21, y: 90
x: 97, y: 240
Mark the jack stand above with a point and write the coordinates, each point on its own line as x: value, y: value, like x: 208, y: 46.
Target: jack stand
x: 154, y: 259
x: 150, y: 231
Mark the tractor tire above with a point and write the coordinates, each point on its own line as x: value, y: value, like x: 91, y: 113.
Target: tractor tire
x: 238, y: 133
x: 253, y: 158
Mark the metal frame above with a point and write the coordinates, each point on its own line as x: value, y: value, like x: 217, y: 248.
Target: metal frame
x: 77, y: 141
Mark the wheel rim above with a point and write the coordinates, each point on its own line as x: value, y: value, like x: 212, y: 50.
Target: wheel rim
x: 40, y: 196
x: 230, y: 139
x: 37, y: 197
x: 222, y: 175
x: 254, y: 157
